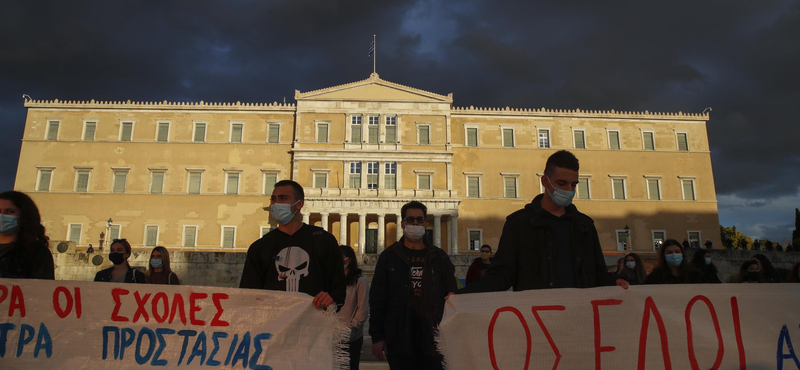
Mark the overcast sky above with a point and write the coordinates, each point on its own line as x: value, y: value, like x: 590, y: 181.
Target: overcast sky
x: 739, y: 57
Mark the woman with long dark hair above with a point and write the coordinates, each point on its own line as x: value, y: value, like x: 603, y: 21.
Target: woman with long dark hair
x: 701, y: 261
x: 633, y: 269
x: 771, y: 275
x: 356, y: 304
x: 121, y: 272
x: 672, y: 268
x: 750, y: 272
x: 159, y: 271
x: 24, y: 253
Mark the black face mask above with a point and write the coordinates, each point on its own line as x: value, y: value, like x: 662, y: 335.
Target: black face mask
x: 116, y: 258
x: 753, y: 276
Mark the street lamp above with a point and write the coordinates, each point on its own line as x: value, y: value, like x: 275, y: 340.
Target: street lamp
x: 108, y: 232
x: 627, y: 236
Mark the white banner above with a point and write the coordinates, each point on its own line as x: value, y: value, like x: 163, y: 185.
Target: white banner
x: 724, y: 326
x: 85, y: 325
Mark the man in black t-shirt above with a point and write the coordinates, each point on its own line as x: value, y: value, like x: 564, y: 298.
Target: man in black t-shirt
x: 295, y: 257
x: 406, y: 299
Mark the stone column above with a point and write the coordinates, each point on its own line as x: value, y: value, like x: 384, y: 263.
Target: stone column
x: 362, y: 233
x: 453, y: 234
x: 381, y: 231
x: 306, y: 217
x: 325, y: 221
x: 343, y: 229
x: 437, y: 230
x: 399, y: 227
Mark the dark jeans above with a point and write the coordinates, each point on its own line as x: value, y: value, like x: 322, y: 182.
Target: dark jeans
x: 355, y: 352
x: 416, y: 361
x: 423, y: 355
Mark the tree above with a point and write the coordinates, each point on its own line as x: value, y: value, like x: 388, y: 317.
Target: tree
x: 733, y: 239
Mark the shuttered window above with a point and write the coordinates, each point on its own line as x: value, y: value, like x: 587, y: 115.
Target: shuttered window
x: 473, y: 187
x: 580, y: 139
x: 151, y: 236
x: 75, y: 233
x: 82, y: 182
x: 372, y: 129
x: 228, y: 237
x: 355, y: 175
x: 88, y: 131
x: 390, y: 176
x: 472, y: 137
x: 320, y: 180
x: 44, y: 180
x: 120, y: 180
x: 653, y: 191
x: 688, y: 190
x: 195, y: 180
x: 113, y: 232
x: 510, y: 187
x: 163, y: 132
x: 424, y: 135
x: 274, y: 133
x: 583, y: 189
x: 424, y: 182
x: 355, y: 129
x: 683, y: 141
x: 232, y: 185
x: 474, y: 240
x: 613, y: 140
x: 322, y: 133
x: 52, y: 130
x: 391, y: 129
x: 126, y: 131
x: 649, y: 144
x: 508, y: 137
x: 199, y: 132
x: 190, y: 236
x: 269, y: 182
x: 157, y: 182
x: 619, y: 188
x: 236, y: 132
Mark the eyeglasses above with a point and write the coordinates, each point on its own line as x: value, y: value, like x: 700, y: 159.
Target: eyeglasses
x: 119, y: 240
x: 411, y: 220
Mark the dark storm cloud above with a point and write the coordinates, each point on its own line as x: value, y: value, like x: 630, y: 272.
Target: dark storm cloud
x: 740, y: 57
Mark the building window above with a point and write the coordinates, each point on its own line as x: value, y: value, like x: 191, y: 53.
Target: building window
x: 580, y: 139
x: 89, y: 128
x: 390, y: 176
x: 52, y: 130
x: 151, y: 236
x: 648, y: 140
x: 44, y: 179
x: 688, y: 189
x: 658, y: 238
x: 372, y: 129
x: 424, y: 182
x: 320, y: 180
x: 694, y: 238
x: 372, y: 175
x: 473, y: 186
x: 391, y: 129
x: 355, y: 175
x: 654, y: 189
x: 75, y: 233
x: 622, y: 241
x: 472, y: 136
x: 273, y: 133
x: 126, y: 131
x: 424, y: 134
x: 157, y: 182
x: 162, y: 135
x: 582, y: 190
x: 237, y: 129
x: 544, y: 138
x: 322, y: 132
x: 82, y: 181
x: 190, y: 236
x: 508, y: 137
x: 618, y: 187
x: 510, y: 187
x: 228, y: 236
x: 475, y: 239
x: 265, y: 230
x: 683, y: 141
x: 114, y: 232
x: 355, y: 129
x: 613, y: 140
x: 232, y: 183
x: 195, y: 181
x: 199, y: 135
x: 120, y: 181
x: 270, y: 179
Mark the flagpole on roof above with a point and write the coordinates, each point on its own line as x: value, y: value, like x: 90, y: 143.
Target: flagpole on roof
x: 373, y: 53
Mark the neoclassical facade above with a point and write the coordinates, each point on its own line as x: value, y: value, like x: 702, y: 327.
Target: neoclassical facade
x: 197, y: 175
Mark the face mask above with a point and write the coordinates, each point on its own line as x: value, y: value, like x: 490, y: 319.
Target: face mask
x: 753, y: 276
x: 116, y: 258
x: 708, y: 260
x: 414, y: 232
x: 8, y: 224
x: 561, y: 197
x: 157, y: 264
x: 674, y: 260
x: 631, y: 265
x: 485, y: 255
x: 282, y: 212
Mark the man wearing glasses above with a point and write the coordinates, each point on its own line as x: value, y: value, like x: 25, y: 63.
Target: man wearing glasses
x: 406, y: 299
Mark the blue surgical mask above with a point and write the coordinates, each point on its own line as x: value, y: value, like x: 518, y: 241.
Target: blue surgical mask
x: 282, y: 212
x: 8, y: 224
x: 674, y: 260
x: 157, y: 264
x: 631, y: 265
x: 708, y: 260
x: 560, y: 197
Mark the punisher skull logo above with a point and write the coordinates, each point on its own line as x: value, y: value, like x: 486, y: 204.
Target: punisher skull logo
x: 292, y: 264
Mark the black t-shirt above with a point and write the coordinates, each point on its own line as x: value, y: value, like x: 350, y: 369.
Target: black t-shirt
x: 564, y: 268
x: 416, y: 259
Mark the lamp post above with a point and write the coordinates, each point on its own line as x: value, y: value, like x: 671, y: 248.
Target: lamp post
x: 108, y: 231
x: 627, y: 238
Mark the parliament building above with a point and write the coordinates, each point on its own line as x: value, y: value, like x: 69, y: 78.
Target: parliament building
x: 197, y: 175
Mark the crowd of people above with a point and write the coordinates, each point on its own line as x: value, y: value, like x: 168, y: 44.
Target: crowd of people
x: 547, y: 244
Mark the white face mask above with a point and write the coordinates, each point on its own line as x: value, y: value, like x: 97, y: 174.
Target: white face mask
x: 282, y: 212
x: 631, y: 265
x: 560, y: 197
x: 414, y: 232
x: 708, y: 260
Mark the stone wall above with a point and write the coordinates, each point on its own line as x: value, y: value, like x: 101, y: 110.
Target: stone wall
x: 224, y: 269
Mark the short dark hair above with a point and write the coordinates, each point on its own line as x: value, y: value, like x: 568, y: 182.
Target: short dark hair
x: 562, y: 159
x: 299, y: 194
x: 413, y: 205
x: 487, y: 246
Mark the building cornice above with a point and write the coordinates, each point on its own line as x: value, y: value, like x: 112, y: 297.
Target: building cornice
x: 472, y: 111
x: 201, y: 105
x: 376, y: 80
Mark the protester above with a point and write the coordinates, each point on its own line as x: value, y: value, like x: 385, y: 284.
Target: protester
x: 686, y: 244
x: 633, y: 270
x: 480, y: 265
x: 159, y: 271
x: 794, y: 274
x: 24, y: 253
x: 121, y: 272
x: 750, y: 272
x: 771, y: 274
x: 549, y: 243
x: 709, y: 244
x: 412, y: 278
x: 90, y: 250
x: 701, y: 261
x: 620, y: 265
x: 672, y: 268
x: 295, y: 257
x: 356, y: 304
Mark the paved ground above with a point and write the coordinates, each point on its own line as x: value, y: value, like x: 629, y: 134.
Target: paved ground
x: 368, y: 361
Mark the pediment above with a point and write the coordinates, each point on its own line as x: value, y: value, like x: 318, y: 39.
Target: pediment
x: 374, y: 89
